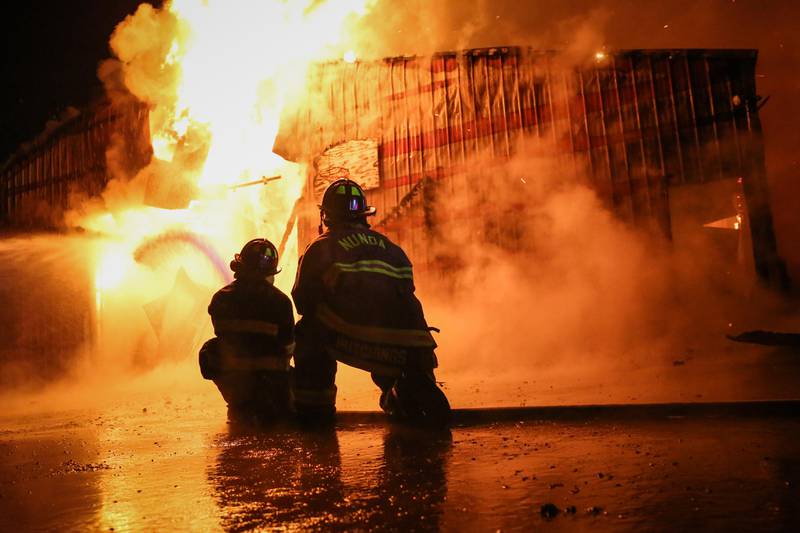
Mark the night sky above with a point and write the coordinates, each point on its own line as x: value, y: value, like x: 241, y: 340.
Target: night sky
x: 52, y: 49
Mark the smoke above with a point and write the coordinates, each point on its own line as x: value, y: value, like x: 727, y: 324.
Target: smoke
x: 549, y: 297
x: 423, y: 28
x: 73, y: 340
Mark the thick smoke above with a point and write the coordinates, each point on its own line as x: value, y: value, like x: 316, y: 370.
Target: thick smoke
x: 423, y: 28
x: 559, y: 300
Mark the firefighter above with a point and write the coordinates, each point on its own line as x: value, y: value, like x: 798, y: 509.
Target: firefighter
x: 355, y: 291
x: 248, y: 359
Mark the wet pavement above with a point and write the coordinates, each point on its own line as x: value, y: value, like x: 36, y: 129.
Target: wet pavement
x: 128, y: 440
x: 177, y: 463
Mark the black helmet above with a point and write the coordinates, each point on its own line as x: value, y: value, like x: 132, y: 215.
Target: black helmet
x: 258, y: 257
x: 344, y: 200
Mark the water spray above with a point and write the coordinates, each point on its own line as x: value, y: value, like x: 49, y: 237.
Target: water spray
x: 146, y: 253
x: 179, y: 195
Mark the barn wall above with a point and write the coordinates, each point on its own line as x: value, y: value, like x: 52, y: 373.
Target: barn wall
x: 37, y: 181
x: 635, y: 122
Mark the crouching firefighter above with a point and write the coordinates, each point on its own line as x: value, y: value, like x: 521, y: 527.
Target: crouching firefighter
x: 355, y: 291
x: 248, y: 359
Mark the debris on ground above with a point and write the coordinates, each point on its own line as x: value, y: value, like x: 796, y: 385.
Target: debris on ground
x: 549, y: 511
x: 74, y: 466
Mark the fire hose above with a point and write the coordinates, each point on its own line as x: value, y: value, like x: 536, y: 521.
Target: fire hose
x: 289, y: 227
x: 262, y: 181
x: 292, y: 216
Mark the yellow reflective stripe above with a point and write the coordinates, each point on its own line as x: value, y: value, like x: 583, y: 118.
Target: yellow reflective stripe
x: 315, y: 396
x: 255, y: 363
x: 245, y: 326
x: 399, y: 337
x: 374, y: 263
x: 389, y: 273
x: 367, y: 265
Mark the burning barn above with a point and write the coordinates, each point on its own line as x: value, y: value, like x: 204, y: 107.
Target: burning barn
x: 69, y: 162
x: 669, y: 139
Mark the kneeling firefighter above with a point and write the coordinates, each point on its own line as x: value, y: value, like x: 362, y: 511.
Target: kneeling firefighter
x: 248, y: 360
x: 355, y: 292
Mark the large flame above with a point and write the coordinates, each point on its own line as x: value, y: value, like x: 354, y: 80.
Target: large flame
x: 216, y: 75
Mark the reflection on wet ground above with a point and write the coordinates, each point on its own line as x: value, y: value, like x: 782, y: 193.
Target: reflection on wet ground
x: 341, y: 479
x: 178, y: 464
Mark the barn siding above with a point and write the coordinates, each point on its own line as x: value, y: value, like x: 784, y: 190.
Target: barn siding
x: 637, y: 121
x: 37, y: 181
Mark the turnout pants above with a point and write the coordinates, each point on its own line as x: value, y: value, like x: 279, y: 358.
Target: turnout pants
x: 252, y: 386
x: 404, y: 375
x: 262, y: 393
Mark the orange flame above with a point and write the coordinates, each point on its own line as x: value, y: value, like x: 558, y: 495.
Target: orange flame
x: 216, y: 75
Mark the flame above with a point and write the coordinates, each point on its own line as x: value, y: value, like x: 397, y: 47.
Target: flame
x: 240, y: 62
x: 216, y: 75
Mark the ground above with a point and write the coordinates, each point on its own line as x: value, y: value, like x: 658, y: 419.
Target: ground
x: 175, y: 462
x: 110, y: 440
